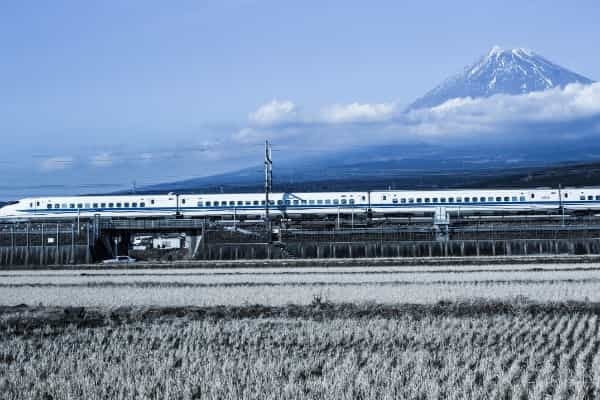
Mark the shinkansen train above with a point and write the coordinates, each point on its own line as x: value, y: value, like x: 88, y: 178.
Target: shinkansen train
x: 464, y: 201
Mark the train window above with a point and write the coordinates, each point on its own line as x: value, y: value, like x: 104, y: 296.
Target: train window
x: 103, y: 205
x: 351, y: 201
x: 232, y: 203
x: 467, y: 199
x: 111, y: 205
x: 402, y: 200
x: 30, y: 205
x: 490, y: 199
x: 419, y: 200
x: 142, y: 204
x: 240, y: 203
x: 442, y: 200
x: 302, y: 201
x: 522, y: 198
x: 566, y: 195
x: 296, y: 202
x: 581, y: 197
x: 71, y: 205
x: 590, y: 197
x: 514, y: 198
x: 597, y: 197
x: 248, y: 203
x: 395, y: 201
x: 364, y: 198
x: 427, y: 200
x: 450, y: 199
x: 498, y: 198
x: 311, y: 202
x: 384, y: 198
x: 344, y: 201
x: 79, y: 205
x: 200, y: 204
x: 288, y: 202
x: 182, y: 201
x: 474, y: 199
x: 327, y: 201
x: 411, y: 200
x: 434, y: 200
x: 152, y: 201
x: 459, y: 199
x: 533, y: 195
x: 57, y: 206
x: 87, y: 205
x: 37, y: 204
x: 118, y: 205
x: 482, y: 199
x: 49, y: 206
x: 255, y: 202
x: 133, y: 205
x: 506, y: 198
x: 279, y: 202
x: 336, y: 201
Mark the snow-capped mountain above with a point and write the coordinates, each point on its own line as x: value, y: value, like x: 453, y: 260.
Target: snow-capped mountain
x: 514, y: 71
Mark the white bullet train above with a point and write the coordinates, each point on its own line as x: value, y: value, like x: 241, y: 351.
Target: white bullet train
x: 405, y: 202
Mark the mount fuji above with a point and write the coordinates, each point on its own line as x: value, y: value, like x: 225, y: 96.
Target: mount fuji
x: 514, y: 71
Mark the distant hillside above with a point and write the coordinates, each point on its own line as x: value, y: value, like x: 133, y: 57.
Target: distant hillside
x: 573, y: 174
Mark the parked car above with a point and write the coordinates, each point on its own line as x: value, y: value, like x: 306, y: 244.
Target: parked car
x: 120, y: 260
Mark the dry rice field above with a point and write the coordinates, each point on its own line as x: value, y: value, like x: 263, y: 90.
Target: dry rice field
x: 280, y: 286
x: 511, y: 332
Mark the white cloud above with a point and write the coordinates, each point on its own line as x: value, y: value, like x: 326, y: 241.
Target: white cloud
x: 56, y: 163
x: 501, y: 113
x: 248, y: 135
x: 562, y: 112
x: 274, y: 112
x: 102, y: 160
x: 356, y: 112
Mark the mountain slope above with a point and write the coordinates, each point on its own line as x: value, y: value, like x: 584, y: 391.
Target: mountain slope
x: 515, y: 71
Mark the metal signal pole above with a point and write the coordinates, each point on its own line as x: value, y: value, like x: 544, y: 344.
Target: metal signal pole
x: 560, y: 202
x: 268, y: 187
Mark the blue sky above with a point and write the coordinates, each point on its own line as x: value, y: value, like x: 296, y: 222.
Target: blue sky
x: 108, y: 92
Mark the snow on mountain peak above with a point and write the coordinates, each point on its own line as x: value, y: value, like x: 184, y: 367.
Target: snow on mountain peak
x: 495, y: 51
x: 514, y: 71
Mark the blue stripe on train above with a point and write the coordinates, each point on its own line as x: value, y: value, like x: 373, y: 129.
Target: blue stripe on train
x: 308, y: 207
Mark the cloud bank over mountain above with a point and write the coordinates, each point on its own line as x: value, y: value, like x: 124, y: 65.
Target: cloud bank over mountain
x: 564, y: 112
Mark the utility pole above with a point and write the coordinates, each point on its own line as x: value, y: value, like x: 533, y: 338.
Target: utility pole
x: 560, y: 206
x: 268, y: 187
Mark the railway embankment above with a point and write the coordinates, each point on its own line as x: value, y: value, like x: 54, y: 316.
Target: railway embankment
x: 87, y: 243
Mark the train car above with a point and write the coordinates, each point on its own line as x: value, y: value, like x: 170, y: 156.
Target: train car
x: 406, y: 202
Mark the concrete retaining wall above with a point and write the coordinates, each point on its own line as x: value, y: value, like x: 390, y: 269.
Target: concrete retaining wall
x: 38, y: 255
x: 80, y: 254
x: 458, y: 248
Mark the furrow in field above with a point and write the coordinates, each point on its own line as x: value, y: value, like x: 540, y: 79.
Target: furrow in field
x: 581, y: 381
x: 560, y: 359
x: 527, y: 342
x: 542, y: 378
